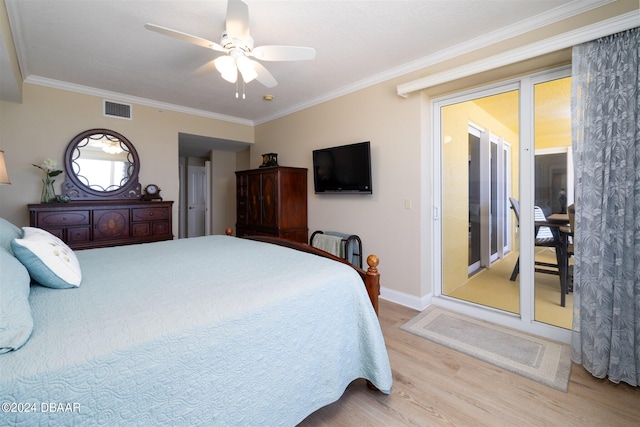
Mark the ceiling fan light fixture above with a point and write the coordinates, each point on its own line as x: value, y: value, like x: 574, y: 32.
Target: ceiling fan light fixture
x: 238, y: 46
x: 231, y: 77
x: 226, y: 65
x: 246, y: 69
x: 112, y: 149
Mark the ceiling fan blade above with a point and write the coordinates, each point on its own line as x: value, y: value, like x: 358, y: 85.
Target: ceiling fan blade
x: 263, y: 76
x: 283, y: 53
x: 206, y: 68
x: 237, y: 20
x: 185, y: 37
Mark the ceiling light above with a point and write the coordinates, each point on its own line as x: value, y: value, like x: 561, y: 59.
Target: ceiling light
x: 268, y: 97
x: 111, y: 147
x: 227, y: 67
x: 246, y: 69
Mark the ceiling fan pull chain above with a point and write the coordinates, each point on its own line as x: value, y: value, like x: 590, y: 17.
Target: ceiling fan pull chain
x: 236, y: 89
x: 243, y: 92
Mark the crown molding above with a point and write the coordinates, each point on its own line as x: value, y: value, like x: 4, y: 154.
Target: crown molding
x: 549, y: 45
x: 535, y: 22
x: 562, y: 12
x: 114, y: 96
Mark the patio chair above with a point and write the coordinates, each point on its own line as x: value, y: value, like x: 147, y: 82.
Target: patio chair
x: 544, y: 238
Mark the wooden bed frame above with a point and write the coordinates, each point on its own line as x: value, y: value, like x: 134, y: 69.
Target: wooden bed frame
x: 370, y: 277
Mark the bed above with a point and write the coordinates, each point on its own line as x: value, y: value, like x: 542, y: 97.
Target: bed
x: 213, y: 330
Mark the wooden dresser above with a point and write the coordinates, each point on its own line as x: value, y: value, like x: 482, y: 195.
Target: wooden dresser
x: 93, y: 224
x: 272, y: 201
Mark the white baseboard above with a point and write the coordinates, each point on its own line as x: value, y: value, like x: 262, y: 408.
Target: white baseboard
x: 411, y: 301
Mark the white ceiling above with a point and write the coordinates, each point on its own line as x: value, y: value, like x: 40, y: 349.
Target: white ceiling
x: 102, y: 45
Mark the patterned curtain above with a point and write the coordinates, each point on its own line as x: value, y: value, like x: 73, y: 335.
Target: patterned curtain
x: 606, y: 143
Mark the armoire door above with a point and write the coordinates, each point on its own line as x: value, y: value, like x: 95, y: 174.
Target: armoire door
x: 270, y: 199
x: 254, y: 213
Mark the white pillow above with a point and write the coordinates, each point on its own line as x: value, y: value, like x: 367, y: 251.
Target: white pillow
x: 16, y: 323
x: 48, y: 259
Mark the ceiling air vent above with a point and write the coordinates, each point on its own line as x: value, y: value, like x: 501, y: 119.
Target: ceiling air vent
x: 118, y: 110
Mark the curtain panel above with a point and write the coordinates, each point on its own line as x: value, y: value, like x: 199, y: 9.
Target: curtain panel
x: 606, y: 143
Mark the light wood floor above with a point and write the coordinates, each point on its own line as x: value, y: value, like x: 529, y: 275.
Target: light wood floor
x: 436, y: 386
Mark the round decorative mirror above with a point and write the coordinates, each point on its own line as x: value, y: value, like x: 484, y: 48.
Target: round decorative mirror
x: 101, y: 164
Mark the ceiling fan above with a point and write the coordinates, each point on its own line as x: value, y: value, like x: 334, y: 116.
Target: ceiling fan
x: 238, y: 47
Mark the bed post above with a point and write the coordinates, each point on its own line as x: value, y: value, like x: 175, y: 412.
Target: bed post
x: 372, y: 280
x: 372, y: 283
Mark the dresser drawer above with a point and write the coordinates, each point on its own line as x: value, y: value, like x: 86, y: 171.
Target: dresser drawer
x: 161, y: 227
x: 149, y: 214
x: 58, y: 232
x: 142, y: 229
x: 62, y: 219
x: 155, y: 228
x: 110, y: 224
x: 78, y: 235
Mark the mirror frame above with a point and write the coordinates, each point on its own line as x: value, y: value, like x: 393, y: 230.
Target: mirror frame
x: 77, y: 190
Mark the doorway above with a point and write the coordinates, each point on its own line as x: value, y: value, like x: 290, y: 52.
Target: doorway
x: 489, y: 160
x: 475, y: 214
x: 225, y: 157
x: 505, y: 141
x: 195, y: 200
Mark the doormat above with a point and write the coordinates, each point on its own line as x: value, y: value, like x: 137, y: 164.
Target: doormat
x: 547, y: 362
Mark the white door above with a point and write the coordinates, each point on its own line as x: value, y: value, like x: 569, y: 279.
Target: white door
x: 196, y: 201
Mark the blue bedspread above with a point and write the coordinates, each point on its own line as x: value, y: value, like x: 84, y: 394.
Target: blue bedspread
x: 204, y: 331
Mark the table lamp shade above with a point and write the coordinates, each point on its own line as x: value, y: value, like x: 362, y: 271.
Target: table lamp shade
x: 4, y: 176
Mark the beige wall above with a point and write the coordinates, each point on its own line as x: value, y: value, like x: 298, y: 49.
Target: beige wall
x: 47, y: 119
x: 223, y: 191
x: 392, y: 125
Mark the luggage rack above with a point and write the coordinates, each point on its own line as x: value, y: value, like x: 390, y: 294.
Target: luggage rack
x: 351, y: 246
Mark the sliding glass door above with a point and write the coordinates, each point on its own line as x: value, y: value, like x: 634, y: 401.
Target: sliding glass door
x: 553, y: 191
x: 478, y: 135
x: 503, y: 150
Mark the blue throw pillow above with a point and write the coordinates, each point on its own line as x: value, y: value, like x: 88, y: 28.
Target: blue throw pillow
x: 48, y: 259
x: 16, y: 322
x: 8, y: 232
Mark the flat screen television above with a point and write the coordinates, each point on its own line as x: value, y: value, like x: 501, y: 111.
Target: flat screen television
x: 345, y: 169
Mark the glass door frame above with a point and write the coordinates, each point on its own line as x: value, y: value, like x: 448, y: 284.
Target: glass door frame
x: 525, y: 320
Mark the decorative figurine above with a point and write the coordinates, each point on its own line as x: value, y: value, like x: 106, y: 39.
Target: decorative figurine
x: 269, y: 159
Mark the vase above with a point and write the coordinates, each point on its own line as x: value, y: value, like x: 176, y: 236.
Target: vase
x: 48, y: 193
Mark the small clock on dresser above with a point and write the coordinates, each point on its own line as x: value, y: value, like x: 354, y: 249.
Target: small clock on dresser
x: 151, y: 192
